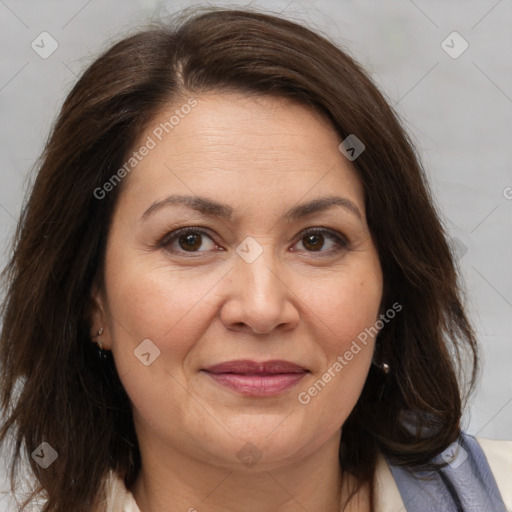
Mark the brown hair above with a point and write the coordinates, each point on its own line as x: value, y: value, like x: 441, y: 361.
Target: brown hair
x: 53, y: 387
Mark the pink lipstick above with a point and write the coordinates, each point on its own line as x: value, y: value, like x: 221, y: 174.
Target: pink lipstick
x: 250, y: 378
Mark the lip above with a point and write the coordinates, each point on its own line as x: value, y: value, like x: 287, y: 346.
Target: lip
x: 250, y: 378
x: 248, y: 367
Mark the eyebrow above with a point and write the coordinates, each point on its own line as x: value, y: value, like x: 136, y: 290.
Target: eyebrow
x: 212, y: 208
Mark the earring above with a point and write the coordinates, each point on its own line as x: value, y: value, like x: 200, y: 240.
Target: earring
x: 102, y: 354
x: 381, y: 365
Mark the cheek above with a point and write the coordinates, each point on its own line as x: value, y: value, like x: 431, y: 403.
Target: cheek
x: 155, y: 302
x: 346, y: 308
x: 172, y: 310
x: 349, y: 310
x: 348, y: 305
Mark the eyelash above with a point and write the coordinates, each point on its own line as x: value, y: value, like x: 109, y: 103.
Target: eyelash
x: 340, y: 241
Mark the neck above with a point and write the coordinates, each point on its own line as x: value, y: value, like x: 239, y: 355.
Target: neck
x: 171, y: 481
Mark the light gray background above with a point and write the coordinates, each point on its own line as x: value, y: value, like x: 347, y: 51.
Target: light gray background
x: 459, y: 112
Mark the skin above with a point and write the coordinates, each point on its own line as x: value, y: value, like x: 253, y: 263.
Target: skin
x: 298, y: 301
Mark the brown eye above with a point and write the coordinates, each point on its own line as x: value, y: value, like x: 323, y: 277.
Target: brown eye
x: 191, y: 241
x: 187, y: 240
x: 313, y: 242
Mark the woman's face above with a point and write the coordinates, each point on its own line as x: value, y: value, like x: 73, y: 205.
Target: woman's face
x: 246, y: 280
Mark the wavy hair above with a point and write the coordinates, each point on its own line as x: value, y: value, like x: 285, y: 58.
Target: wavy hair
x: 53, y: 387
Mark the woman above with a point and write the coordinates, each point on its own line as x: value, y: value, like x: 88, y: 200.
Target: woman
x: 232, y: 214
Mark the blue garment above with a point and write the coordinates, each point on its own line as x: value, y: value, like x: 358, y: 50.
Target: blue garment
x: 465, y: 485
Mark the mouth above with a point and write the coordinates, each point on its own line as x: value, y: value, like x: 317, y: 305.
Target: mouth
x: 250, y: 378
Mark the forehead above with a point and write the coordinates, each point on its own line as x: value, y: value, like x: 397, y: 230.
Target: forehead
x: 239, y: 145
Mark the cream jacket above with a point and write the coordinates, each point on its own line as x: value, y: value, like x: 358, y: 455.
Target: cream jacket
x: 388, y: 499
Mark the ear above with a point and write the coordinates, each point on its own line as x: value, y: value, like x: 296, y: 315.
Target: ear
x: 98, y: 317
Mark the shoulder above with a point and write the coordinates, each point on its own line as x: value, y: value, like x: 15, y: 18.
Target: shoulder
x: 116, y: 497
x: 386, y: 494
x: 395, y: 486
x: 499, y: 458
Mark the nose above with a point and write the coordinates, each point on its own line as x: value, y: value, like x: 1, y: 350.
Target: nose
x: 257, y: 297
